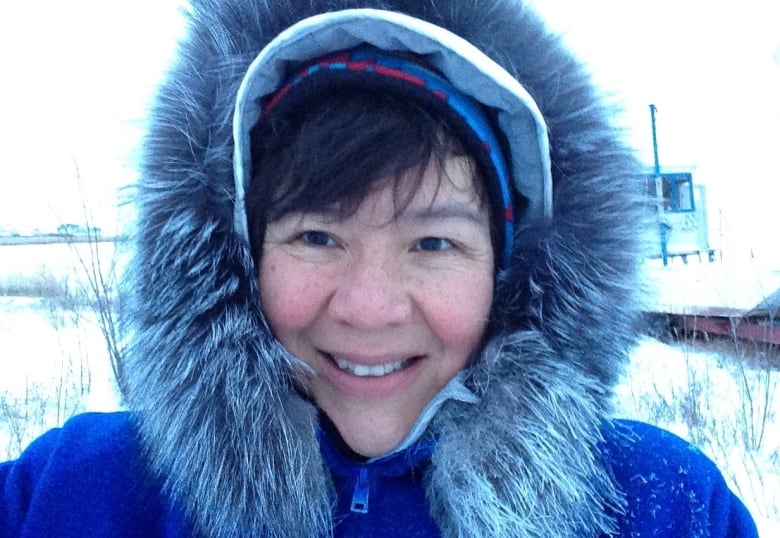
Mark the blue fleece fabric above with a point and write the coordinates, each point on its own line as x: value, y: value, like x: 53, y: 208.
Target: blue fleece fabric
x: 89, y: 479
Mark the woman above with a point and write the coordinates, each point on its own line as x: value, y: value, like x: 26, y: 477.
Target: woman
x: 389, y: 297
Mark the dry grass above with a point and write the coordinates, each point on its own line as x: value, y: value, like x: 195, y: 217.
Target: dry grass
x: 43, y: 283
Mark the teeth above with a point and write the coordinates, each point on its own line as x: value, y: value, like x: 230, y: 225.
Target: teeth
x: 361, y: 370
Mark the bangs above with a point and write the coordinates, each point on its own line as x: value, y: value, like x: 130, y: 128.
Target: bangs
x: 332, y: 152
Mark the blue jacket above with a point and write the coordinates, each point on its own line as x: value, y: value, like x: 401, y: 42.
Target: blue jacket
x: 90, y: 478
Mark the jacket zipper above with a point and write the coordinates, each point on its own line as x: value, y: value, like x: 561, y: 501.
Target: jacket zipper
x: 360, y: 495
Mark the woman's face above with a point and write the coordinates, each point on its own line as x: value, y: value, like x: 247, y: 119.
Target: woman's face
x: 385, y: 307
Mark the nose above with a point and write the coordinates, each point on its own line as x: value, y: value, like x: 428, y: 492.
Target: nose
x: 370, y: 295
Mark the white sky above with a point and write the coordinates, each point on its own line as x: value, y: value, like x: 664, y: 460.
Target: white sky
x: 77, y: 76
x: 712, y: 68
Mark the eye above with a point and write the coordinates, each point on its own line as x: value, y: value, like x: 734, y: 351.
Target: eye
x: 317, y: 238
x: 433, y: 244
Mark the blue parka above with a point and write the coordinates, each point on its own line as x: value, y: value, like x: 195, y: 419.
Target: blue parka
x: 90, y: 479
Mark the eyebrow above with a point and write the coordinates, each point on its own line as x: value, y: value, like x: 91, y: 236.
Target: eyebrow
x: 444, y: 212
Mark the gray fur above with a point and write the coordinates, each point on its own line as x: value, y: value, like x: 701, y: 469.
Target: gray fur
x: 211, y: 388
x: 522, y: 462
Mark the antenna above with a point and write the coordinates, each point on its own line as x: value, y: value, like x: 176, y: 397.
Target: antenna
x: 659, y: 189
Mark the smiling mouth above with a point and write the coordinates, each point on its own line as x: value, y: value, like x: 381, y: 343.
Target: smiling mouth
x: 363, y: 370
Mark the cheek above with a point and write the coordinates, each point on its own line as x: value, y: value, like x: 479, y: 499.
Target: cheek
x: 289, y: 294
x: 461, y: 316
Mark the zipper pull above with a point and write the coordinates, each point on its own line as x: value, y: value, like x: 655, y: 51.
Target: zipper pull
x: 360, y: 495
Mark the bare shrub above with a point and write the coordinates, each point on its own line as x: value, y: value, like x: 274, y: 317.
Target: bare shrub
x: 83, y: 298
x: 40, y: 284
x: 25, y: 417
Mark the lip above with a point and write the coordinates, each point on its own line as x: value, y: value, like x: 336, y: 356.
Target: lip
x: 369, y: 386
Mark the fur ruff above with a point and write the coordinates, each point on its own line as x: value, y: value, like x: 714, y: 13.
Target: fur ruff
x: 211, y: 388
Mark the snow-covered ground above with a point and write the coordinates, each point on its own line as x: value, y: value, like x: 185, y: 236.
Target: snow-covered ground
x: 53, y: 357
x: 53, y: 364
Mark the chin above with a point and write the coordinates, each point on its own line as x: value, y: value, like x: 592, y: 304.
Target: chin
x: 371, y: 434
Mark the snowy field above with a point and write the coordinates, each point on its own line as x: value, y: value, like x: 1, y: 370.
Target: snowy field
x: 53, y: 356
x: 54, y: 363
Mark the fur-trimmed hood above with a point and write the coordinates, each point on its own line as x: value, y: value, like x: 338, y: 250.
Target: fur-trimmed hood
x: 212, y: 389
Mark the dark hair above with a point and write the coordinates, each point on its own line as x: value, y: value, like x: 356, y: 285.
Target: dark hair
x: 334, y: 149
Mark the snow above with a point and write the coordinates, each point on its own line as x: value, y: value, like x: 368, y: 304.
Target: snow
x: 730, y: 285
x: 55, y: 364
x: 53, y: 356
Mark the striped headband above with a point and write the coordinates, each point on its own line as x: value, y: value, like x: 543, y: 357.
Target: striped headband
x: 371, y: 69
